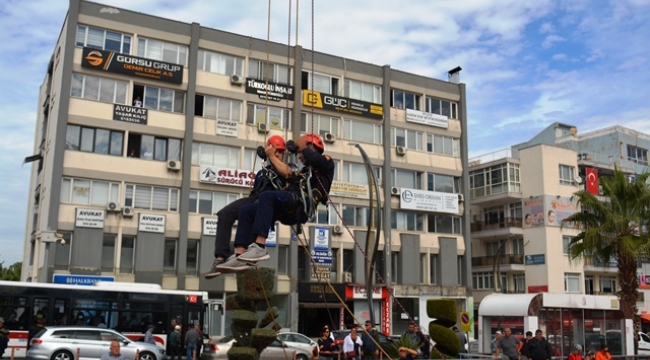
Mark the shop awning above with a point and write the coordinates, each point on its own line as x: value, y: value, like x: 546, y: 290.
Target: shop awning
x: 645, y: 317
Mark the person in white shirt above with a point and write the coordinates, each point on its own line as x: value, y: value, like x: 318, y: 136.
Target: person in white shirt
x: 352, y: 343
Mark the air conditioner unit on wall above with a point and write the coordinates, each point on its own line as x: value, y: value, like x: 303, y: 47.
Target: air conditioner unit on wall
x: 400, y: 150
x: 113, y: 207
x: 329, y: 138
x: 173, y: 165
x: 237, y: 80
x: 347, y: 277
x: 127, y: 212
x: 394, y: 190
x: 261, y: 128
x: 337, y: 229
x: 461, y: 198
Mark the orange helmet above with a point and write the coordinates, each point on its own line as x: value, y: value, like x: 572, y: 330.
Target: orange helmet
x: 316, y: 140
x: 277, y: 141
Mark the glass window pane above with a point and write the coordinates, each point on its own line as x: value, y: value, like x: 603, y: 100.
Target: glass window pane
x: 205, y: 202
x: 113, y: 41
x: 107, y: 90
x: 173, y: 200
x: 72, y: 137
x: 77, y: 85
x: 108, y: 252
x: 80, y: 191
x: 193, y: 200
x: 169, y: 256
x: 87, y: 136
x: 65, y: 190
x: 127, y: 253
x: 95, y: 38
x: 91, y: 88
x: 101, y: 141
x: 115, y: 192
x: 80, y: 39
x: 160, y: 198
x: 192, y: 257
x: 117, y: 142
x: 120, y: 92
x: 142, y: 197
x: 174, y: 149
x: 99, y: 193
x: 146, y: 147
x: 151, y: 97
x: 166, y: 100
x: 160, y: 149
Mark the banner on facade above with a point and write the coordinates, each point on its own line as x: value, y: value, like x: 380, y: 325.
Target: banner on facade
x: 89, y: 218
x: 432, y: 201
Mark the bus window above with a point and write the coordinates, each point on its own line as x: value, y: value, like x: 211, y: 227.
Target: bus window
x: 41, y: 312
x: 61, y: 309
x: 14, y: 310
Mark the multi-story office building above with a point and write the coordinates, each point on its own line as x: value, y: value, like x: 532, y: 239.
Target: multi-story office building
x: 519, y: 196
x: 134, y: 190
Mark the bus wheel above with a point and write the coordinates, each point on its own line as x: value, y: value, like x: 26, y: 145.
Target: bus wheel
x: 62, y: 355
x: 147, y: 356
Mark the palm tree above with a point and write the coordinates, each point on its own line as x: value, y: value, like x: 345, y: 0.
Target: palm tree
x: 11, y: 273
x: 615, y: 228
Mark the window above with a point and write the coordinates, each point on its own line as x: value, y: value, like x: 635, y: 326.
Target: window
x: 162, y: 99
x: 483, y: 281
x: 363, y: 91
x: 520, y: 283
x: 355, y: 215
x: 356, y: 173
x: 275, y: 118
x: 62, y: 252
x: 407, y: 221
x: 108, y: 253
x: 518, y: 246
x: 162, y: 50
x: 445, y: 224
x: 394, y: 266
x: 637, y: 155
x: 608, y: 284
x: 103, y: 39
x: 404, y: 100
x: 98, y: 89
x: 209, y: 202
x: 495, y: 180
x: 169, y: 256
x: 89, y: 192
x: 566, y: 240
x: 322, y: 83
x: 216, y: 155
x: 492, y: 248
x: 276, y: 73
x: 433, y: 272
x: 220, y: 63
x: 218, y: 108
x: 443, y: 145
x: 98, y: 141
x: 441, y: 107
x: 443, y: 183
x: 571, y: 282
x: 283, y: 260
x: 407, y: 138
x: 566, y: 174
x: 516, y: 211
x: 192, y: 258
x: 589, y: 285
x: 362, y: 131
x: 326, y: 214
x: 405, y: 178
x: 127, y: 254
x: 153, y: 148
x: 322, y: 124
x: 151, y: 197
x: 423, y: 258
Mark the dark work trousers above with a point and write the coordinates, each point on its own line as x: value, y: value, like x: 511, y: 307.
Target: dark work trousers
x: 227, y: 216
x: 258, y: 217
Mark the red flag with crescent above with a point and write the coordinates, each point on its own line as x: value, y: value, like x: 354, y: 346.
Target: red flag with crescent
x: 592, y: 180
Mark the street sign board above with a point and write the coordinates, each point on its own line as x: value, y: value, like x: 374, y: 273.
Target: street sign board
x: 465, y: 322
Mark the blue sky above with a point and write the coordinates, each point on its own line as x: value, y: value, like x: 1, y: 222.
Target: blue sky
x: 526, y: 64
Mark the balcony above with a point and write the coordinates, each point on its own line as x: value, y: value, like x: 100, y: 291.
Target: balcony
x: 506, y: 259
x: 502, y: 228
x: 593, y: 264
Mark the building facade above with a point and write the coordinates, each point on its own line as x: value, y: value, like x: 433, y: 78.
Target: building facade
x: 520, y: 195
x: 147, y: 127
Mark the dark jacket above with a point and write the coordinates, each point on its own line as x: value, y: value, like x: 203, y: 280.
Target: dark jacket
x: 538, y: 350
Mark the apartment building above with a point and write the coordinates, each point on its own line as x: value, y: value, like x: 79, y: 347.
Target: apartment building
x: 148, y: 126
x: 520, y: 195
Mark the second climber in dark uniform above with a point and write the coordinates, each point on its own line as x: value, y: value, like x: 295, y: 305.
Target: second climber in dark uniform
x: 293, y: 206
x: 266, y: 179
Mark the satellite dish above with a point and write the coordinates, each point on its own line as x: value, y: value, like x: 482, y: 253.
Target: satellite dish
x: 577, y: 179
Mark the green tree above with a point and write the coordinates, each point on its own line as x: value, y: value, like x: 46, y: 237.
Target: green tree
x: 615, y: 228
x: 11, y: 273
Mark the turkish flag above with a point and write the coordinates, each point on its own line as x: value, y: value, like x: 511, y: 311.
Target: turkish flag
x: 592, y: 180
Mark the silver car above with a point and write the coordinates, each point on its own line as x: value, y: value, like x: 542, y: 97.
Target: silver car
x: 63, y: 342
x: 276, y: 351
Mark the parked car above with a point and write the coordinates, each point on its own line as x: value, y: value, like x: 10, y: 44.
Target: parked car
x: 62, y: 342
x: 277, y: 350
x: 644, y: 344
x: 297, y: 339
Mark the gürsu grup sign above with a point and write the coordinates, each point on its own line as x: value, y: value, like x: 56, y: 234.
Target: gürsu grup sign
x: 115, y: 62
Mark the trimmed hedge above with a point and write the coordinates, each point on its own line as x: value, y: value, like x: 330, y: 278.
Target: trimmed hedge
x: 269, y: 317
x: 444, y: 311
x: 236, y: 302
x: 256, y: 284
x: 261, y: 338
x: 445, y: 339
x: 242, y: 353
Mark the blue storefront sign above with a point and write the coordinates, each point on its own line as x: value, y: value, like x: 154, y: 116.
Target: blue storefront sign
x: 322, y: 257
x: 535, y: 259
x: 86, y: 280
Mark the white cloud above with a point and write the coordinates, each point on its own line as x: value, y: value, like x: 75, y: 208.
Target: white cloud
x: 550, y: 40
x: 546, y: 28
x: 558, y: 57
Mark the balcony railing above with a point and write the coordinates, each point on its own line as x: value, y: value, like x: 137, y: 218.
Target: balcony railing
x: 592, y: 261
x: 507, y: 259
x: 508, y: 222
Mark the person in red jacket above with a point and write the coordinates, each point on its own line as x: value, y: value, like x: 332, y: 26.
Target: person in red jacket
x: 577, y: 353
x: 603, y: 353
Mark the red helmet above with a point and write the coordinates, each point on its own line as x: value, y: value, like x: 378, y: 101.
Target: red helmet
x: 277, y: 141
x: 316, y: 140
